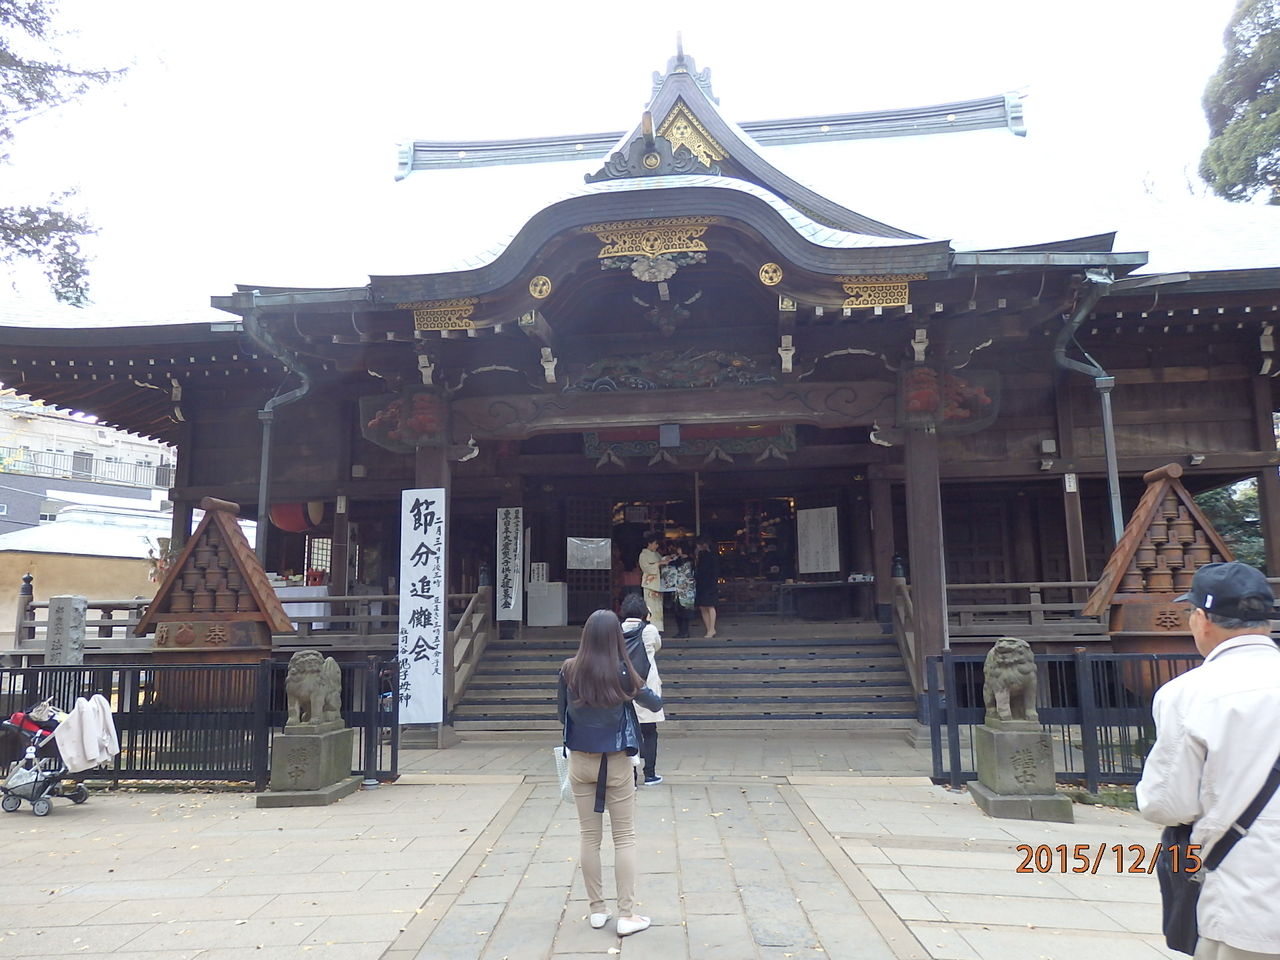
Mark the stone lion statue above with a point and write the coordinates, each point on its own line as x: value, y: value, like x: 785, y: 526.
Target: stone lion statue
x: 313, y: 688
x: 1009, y: 681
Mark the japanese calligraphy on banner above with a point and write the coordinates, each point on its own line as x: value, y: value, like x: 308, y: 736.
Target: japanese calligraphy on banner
x: 510, y: 563
x: 423, y: 606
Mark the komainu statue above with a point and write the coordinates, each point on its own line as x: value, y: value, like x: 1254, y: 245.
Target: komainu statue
x: 313, y: 688
x: 1009, y: 681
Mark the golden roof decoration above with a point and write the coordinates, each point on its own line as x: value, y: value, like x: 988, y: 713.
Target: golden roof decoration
x: 682, y: 128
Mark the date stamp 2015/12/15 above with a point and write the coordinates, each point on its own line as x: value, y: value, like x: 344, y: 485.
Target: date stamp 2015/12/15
x: 1090, y: 858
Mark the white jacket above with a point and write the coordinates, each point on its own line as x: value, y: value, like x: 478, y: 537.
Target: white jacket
x: 1217, y: 735
x: 652, y: 644
x: 87, y: 738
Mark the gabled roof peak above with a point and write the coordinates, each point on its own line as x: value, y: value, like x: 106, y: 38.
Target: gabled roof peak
x: 683, y: 63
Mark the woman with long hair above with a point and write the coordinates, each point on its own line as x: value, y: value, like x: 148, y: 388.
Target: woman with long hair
x: 594, y: 702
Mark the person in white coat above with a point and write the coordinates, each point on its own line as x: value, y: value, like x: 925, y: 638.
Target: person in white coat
x: 640, y: 634
x: 1217, y: 737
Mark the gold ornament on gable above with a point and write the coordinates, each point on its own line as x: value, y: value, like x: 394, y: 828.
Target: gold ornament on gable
x: 878, y: 290
x: 442, y: 314
x: 651, y: 238
x: 770, y: 274
x: 682, y: 129
x: 540, y: 287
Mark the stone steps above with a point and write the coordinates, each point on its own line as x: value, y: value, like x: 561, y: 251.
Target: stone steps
x: 721, y: 684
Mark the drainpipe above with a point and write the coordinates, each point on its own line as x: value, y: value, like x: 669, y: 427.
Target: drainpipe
x: 265, y: 339
x: 1097, y: 280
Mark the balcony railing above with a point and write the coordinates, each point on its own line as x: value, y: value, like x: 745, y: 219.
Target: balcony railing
x: 70, y: 466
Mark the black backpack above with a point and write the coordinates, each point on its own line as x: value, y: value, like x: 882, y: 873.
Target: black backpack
x: 636, y: 652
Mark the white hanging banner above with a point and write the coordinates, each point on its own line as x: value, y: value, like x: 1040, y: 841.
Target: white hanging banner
x: 423, y: 606
x: 588, y: 553
x: 508, y: 583
x: 818, y: 540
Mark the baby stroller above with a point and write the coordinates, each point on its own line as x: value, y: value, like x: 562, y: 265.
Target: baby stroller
x: 39, y: 775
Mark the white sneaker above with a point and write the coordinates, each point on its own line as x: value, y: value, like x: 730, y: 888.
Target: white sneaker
x: 598, y: 920
x: 630, y: 925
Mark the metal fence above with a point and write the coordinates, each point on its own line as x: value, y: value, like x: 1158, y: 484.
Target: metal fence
x: 208, y: 721
x: 1095, y: 707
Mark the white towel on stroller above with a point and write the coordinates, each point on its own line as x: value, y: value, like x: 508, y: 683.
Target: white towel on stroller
x: 87, y: 738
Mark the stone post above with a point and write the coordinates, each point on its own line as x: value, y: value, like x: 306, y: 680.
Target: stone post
x: 64, y: 637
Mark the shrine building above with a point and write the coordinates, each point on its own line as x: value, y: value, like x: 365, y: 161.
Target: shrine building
x: 692, y: 342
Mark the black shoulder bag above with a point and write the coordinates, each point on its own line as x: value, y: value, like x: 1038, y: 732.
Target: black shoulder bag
x: 1181, y: 875
x: 636, y: 651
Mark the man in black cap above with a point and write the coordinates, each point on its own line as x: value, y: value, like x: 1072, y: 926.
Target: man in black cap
x: 1217, y: 737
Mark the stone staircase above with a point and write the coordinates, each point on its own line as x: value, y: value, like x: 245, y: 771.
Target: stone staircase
x: 851, y: 681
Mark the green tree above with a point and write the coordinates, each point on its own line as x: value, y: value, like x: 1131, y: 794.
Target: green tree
x: 1233, y: 511
x: 33, y: 82
x: 1242, y: 105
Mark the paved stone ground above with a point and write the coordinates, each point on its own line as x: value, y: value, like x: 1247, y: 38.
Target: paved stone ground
x: 752, y: 848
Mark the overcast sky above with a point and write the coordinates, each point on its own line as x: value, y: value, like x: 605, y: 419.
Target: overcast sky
x: 255, y: 142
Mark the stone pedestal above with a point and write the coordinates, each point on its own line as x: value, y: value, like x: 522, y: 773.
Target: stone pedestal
x: 1015, y: 773
x: 310, y: 765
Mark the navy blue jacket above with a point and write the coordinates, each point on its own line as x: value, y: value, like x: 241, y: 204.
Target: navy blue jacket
x: 602, y: 729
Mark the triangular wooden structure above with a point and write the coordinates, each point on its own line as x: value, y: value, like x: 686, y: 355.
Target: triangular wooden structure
x: 1166, y: 540
x: 216, y: 578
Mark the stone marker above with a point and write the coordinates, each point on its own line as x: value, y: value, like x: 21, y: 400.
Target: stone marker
x: 64, y: 637
x: 311, y: 759
x: 1015, y: 756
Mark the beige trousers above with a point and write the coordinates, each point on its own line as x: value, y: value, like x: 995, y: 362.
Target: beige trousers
x: 1214, y: 950
x: 653, y: 600
x: 620, y: 801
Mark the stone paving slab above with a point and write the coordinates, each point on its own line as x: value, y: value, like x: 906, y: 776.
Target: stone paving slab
x: 749, y: 851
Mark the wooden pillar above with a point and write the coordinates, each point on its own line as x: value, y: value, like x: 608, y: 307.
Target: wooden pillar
x: 339, y: 560
x: 339, y: 582
x: 1268, y: 479
x: 882, y: 546
x: 1077, y: 565
x: 924, y: 542
x: 1024, y: 540
x: 861, y: 558
x: 180, y: 528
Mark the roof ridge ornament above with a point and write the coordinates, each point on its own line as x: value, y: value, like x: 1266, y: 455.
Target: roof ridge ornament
x: 682, y: 63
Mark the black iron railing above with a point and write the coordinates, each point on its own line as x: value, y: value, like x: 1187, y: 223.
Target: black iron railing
x: 1095, y: 707
x: 208, y: 721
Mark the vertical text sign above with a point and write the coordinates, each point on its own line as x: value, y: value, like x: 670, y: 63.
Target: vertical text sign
x: 424, y: 610
x: 510, y: 563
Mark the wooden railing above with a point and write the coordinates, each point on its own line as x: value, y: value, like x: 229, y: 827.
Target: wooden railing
x: 364, y: 621
x: 904, y: 630
x: 108, y: 624
x: 987, y: 609
x: 469, y: 638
